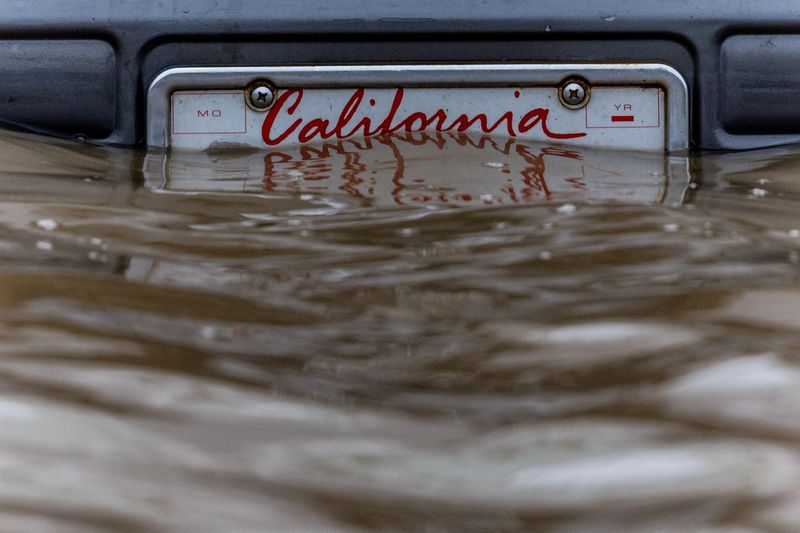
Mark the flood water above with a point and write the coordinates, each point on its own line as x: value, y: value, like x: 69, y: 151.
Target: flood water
x: 406, y: 334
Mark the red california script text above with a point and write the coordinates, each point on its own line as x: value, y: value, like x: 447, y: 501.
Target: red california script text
x: 322, y: 129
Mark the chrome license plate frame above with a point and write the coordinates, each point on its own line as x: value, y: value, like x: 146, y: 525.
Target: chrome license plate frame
x: 478, y: 87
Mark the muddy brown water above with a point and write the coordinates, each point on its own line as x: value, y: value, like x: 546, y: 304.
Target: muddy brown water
x: 403, y: 334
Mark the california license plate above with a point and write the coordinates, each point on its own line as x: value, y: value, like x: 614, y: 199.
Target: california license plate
x: 631, y: 106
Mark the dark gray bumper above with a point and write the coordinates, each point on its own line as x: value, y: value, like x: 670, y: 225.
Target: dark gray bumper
x: 82, y: 68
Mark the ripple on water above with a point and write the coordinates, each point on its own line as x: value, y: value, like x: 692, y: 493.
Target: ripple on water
x: 509, y: 337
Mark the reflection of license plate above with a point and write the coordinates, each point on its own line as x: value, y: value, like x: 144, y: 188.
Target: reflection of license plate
x: 427, y: 168
x: 638, y: 107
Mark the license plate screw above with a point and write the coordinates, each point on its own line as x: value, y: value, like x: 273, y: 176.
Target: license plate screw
x: 261, y: 97
x: 574, y: 94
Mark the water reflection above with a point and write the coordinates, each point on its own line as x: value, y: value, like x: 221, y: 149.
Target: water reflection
x: 429, y: 169
x: 217, y: 343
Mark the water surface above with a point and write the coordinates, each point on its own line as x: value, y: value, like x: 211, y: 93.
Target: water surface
x: 438, y: 334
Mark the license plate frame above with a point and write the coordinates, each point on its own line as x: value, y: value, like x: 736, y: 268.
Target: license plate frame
x: 427, y: 79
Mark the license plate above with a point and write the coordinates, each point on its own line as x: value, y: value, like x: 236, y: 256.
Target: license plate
x: 634, y: 107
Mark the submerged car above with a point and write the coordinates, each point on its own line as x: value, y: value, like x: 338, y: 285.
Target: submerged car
x: 644, y: 75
